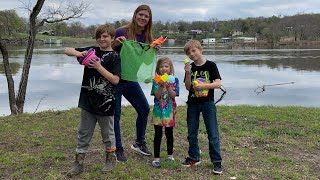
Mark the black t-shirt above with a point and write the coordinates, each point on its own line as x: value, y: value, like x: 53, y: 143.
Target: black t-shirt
x: 207, y: 71
x: 97, y: 93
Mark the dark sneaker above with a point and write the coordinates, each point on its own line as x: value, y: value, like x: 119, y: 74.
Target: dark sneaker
x: 156, y: 164
x: 142, y: 149
x: 190, y: 162
x: 120, y: 155
x: 217, y: 168
x: 77, y: 167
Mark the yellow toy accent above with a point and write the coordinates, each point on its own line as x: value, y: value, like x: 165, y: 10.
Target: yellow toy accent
x: 164, y: 77
x: 194, y: 83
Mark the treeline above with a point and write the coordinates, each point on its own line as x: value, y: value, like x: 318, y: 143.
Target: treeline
x: 270, y: 29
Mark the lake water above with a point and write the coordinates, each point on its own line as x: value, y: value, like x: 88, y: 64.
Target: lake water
x: 55, y: 79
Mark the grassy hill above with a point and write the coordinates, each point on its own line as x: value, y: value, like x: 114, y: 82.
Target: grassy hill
x: 256, y: 143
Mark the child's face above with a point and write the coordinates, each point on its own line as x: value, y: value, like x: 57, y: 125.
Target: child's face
x: 104, y: 40
x: 164, y: 68
x: 194, y: 53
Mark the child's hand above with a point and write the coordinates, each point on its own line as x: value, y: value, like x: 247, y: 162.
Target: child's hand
x: 94, y: 63
x: 187, y: 68
x: 82, y: 54
x: 199, y: 86
x: 161, y: 84
x: 167, y: 85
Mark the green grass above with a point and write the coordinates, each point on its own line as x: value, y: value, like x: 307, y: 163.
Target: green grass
x: 256, y: 143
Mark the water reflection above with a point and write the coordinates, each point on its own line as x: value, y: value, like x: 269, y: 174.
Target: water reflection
x: 14, y: 68
x: 55, y: 78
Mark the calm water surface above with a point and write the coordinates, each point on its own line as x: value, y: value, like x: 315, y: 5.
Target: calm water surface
x: 55, y: 79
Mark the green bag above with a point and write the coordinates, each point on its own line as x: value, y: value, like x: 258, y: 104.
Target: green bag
x: 137, y: 61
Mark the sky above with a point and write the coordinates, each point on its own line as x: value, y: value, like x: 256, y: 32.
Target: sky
x: 102, y: 11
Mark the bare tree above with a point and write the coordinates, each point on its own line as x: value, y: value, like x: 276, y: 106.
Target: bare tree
x: 36, y: 20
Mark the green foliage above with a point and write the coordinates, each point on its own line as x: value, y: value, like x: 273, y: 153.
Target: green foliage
x: 10, y: 23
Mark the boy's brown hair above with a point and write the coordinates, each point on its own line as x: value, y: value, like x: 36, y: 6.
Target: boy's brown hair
x: 108, y: 28
x: 192, y: 44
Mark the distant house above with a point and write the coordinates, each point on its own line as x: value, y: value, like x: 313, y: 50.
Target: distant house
x: 52, y: 41
x: 245, y: 39
x: 237, y: 33
x: 225, y: 40
x: 167, y: 31
x: 48, y: 32
x: 195, y: 31
x: 208, y: 41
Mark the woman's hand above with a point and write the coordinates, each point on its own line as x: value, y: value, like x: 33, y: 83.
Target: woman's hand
x: 118, y: 41
x: 157, y: 45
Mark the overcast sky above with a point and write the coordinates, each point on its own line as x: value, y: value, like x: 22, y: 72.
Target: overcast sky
x: 187, y: 10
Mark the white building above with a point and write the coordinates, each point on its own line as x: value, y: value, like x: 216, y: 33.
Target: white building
x: 245, y: 39
x: 208, y: 41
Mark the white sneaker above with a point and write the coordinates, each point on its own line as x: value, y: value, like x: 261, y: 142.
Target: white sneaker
x: 170, y: 158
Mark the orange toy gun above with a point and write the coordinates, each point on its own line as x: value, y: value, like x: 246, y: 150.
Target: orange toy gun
x: 160, y: 40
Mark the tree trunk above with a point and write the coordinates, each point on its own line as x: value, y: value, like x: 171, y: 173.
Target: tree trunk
x: 17, y: 101
x: 10, y: 82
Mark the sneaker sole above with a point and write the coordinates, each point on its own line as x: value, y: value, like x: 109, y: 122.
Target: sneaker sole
x: 195, y: 164
x: 137, y: 150
x: 217, y: 172
x: 121, y: 161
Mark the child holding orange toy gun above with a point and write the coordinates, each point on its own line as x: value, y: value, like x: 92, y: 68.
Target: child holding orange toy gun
x: 201, y: 100
x: 165, y: 88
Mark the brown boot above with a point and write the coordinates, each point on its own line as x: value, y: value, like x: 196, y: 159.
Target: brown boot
x: 77, y: 167
x: 110, y: 162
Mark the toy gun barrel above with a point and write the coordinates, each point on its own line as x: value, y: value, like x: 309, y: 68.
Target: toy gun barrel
x: 160, y: 40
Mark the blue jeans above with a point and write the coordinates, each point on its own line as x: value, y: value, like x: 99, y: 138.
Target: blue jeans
x: 134, y: 94
x: 209, y: 114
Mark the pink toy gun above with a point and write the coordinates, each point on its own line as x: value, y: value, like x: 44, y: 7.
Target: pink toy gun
x: 160, y: 40
x: 91, y: 55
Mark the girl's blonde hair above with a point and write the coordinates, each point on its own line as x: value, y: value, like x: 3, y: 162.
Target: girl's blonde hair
x: 162, y: 61
x: 132, y: 26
